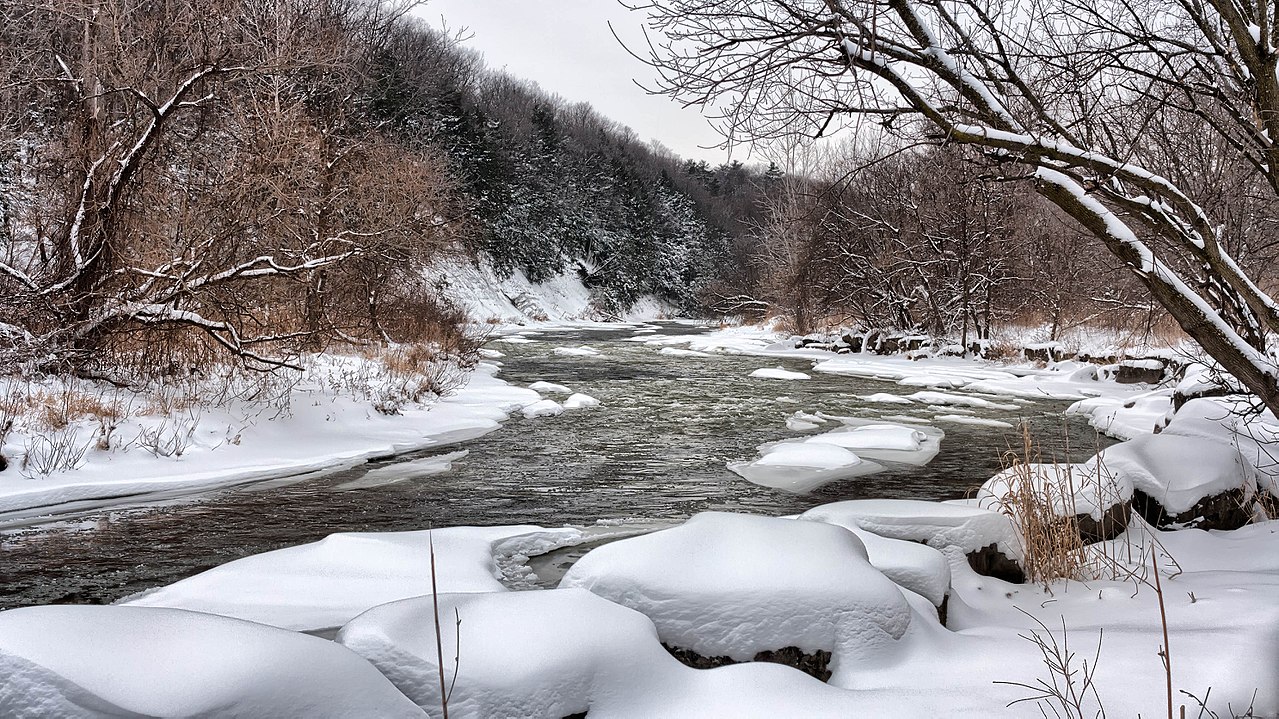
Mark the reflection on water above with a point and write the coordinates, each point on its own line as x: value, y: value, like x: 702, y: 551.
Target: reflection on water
x: 656, y: 450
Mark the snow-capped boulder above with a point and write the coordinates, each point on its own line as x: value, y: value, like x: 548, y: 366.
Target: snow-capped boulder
x: 987, y: 538
x: 543, y: 408
x: 580, y: 401
x: 96, y: 661
x: 1140, y: 371
x: 543, y: 386
x: 1184, y: 481
x: 736, y: 585
x: 801, y: 466
x: 1099, y: 500
x: 522, y: 654
x: 777, y: 373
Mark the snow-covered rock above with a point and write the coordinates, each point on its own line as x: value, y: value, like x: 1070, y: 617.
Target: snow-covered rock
x: 95, y: 661
x: 522, y: 654
x: 1184, y: 480
x: 734, y: 585
x: 543, y: 408
x: 325, y: 584
x: 947, y: 399
x: 582, y: 351
x: 580, y: 401
x: 1096, y: 497
x: 941, y: 525
x: 884, y: 441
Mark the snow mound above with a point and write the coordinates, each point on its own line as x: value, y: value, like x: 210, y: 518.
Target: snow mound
x: 939, y: 525
x: 77, y: 661
x: 1070, y: 489
x: 777, y: 373
x: 550, y: 387
x: 801, y: 466
x: 1125, y: 417
x: 580, y: 401
x: 734, y: 585
x: 522, y: 654
x: 325, y: 584
x: 543, y: 408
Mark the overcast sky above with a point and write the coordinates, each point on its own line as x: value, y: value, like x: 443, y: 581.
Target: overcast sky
x: 566, y: 47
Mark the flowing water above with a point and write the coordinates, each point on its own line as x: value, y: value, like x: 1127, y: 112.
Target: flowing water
x: 654, y: 452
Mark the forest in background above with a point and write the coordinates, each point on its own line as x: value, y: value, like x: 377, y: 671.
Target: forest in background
x: 265, y: 179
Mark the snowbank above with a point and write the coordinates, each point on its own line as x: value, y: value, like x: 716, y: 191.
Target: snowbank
x: 240, y: 443
x: 77, y: 661
x: 938, y: 524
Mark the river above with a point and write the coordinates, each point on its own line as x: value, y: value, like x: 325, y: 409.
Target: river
x: 654, y: 453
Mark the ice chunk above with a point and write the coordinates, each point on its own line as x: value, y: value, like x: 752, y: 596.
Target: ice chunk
x: 974, y: 421
x: 800, y: 467
x: 777, y: 373
x: 885, y: 398
x: 404, y: 471
x: 550, y: 387
x: 942, y: 398
x: 676, y: 352
x: 582, y: 351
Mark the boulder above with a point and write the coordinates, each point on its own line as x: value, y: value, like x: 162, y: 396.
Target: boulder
x: 1141, y: 371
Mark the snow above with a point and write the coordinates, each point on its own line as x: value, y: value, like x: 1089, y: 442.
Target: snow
x: 522, y: 654
x: 327, y: 583
x: 550, y: 387
x: 76, y: 661
x: 734, y: 585
x: 543, y: 408
x: 237, y: 444
x: 580, y: 401
x: 1125, y: 417
x: 939, y: 525
x: 777, y: 373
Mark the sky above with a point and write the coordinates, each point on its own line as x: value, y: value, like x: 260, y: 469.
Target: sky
x: 565, y: 46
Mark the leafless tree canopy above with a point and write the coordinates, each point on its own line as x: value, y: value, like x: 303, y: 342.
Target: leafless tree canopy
x: 205, y: 170
x: 1150, y: 122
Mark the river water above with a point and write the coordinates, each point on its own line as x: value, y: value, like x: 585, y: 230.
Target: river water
x: 654, y: 452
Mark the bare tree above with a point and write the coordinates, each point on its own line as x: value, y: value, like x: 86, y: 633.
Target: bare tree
x: 1085, y: 99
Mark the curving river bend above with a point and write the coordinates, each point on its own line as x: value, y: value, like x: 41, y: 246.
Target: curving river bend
x: 654, y: 453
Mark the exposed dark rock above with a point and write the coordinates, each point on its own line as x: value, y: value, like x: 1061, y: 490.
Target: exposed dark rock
x: 1097, y: 359
x: 4, y: 463
x: 853, y: 341
x: 942, y: 610
x: 889, y: 345
x: 911, y: 344
x: 1227, y: 510
x: 1180, y: 397
x: 1112, y: 523
x: 1140, y: 372
x: 813, y: 664
x: 992, y: 562
x: 579, y: 715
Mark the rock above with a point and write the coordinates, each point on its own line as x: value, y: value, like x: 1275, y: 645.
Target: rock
x: 813, y: 664
x: 853, y: 341
x: 889, y: 345
x: 1113, y: 522
x: 992, y: 562
x: 1228, y: 510
x: 1090, y: 495
x: 1141, y: 371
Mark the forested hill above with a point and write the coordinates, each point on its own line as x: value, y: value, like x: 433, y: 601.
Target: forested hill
x: 551, y: 186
